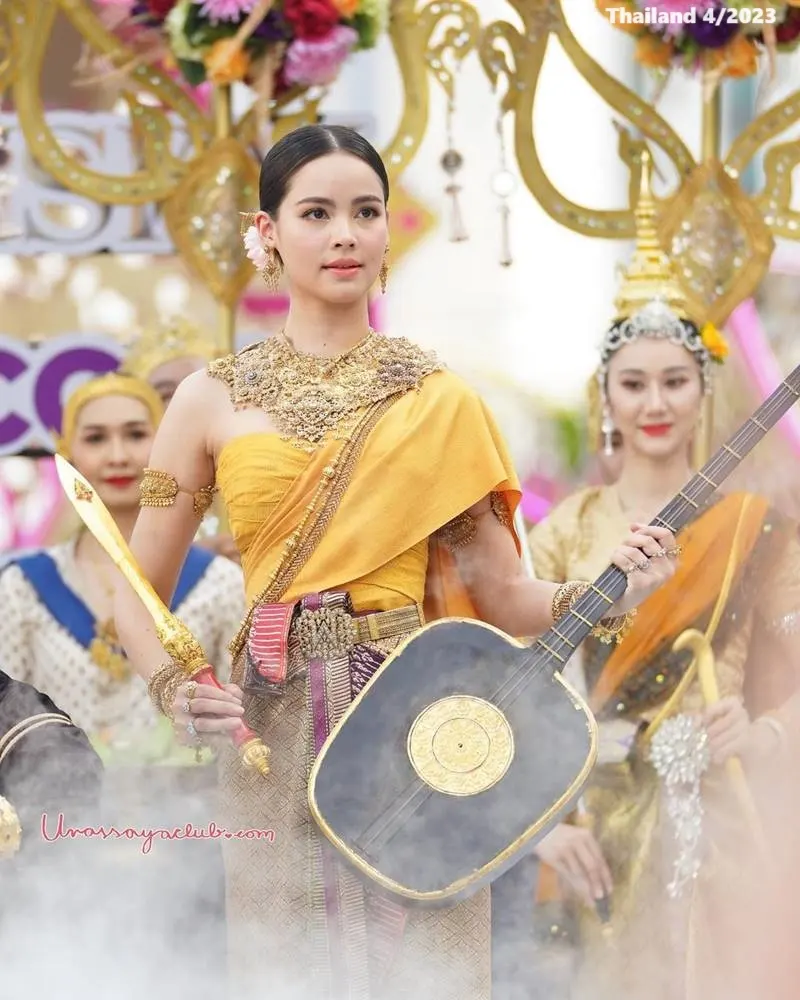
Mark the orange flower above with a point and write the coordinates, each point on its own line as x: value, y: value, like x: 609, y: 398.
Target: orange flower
x: 736, y: 59
x: 226, y: 62
x: 606, y: 6
x: 714, y: 342
x: 652, y: 52
x: 346, y: 8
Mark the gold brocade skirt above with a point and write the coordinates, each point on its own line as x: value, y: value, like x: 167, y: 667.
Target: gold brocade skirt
x: 273, y: 903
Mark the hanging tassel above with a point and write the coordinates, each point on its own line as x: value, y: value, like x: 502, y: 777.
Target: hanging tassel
x: 452, y: 162
x: 506, y: 260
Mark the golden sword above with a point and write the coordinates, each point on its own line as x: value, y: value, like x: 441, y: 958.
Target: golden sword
x: 173, y: 635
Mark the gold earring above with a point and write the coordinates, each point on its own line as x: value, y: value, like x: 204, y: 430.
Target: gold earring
x: 383, y: 274
x: 271, y: 272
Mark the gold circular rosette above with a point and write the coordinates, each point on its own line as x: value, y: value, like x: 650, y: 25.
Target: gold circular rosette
x: 460, y: 745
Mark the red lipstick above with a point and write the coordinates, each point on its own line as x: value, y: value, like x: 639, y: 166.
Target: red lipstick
x: 657, y: 430
x: 121, y: 482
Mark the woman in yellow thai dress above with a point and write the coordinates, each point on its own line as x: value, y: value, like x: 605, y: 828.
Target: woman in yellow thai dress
x: 677, y: 895
x: 358, y: 475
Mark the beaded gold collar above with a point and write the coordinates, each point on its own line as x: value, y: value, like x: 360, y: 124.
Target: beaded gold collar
x: 309, y: 397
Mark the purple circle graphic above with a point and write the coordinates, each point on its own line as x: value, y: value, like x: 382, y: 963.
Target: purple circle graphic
x: 47, y: 397
x: 12, y: 426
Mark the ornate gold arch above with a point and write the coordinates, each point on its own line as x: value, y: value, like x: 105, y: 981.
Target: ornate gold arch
x: 430, y: 39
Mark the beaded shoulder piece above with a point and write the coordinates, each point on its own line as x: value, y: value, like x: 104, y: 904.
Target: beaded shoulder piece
x: 309, y: 397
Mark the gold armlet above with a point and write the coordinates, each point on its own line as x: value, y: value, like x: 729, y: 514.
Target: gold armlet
x: 161, y: 489
x: 162, y: 685
x: 500, y: 509
x: 609, y: 630
x: 459, y: 532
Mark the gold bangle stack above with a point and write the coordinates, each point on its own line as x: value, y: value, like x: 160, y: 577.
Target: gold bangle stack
x: 162, y: 685
x: 609, y: 630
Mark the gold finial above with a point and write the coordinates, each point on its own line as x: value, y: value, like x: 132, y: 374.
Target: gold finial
x: 651, y: 274
x: 178, y: 338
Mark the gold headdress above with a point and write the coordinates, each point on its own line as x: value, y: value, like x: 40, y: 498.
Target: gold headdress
x: 650, y: 303
x: 97, y: 388
x: 177, y: 338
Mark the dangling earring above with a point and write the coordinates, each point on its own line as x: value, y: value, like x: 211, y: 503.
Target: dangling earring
x: 607, y: 427
x: 383, y: 274
x: 271, y: 272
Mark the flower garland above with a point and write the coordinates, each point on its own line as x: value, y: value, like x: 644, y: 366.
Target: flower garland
x: 723, y: 36
x: 298, y: 42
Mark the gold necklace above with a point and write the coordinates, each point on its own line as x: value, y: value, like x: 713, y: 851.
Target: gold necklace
x: 309, y: 397
x: 105, y: 649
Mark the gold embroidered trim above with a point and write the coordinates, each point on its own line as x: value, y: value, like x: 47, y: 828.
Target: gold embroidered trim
x: 301, y: 543
x: 309, y: 397
x: 161, y: 489
x: 459, y: 532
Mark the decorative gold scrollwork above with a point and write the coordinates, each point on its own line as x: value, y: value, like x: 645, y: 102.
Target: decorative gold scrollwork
x: 160, y: 170
x: 411, y: 32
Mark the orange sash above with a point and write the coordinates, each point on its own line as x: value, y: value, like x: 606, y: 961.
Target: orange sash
x: 679, y: 604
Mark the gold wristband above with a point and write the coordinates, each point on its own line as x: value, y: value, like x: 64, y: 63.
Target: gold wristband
x: 162, y: 684
x: 609, y: 630
x: 566, y: 595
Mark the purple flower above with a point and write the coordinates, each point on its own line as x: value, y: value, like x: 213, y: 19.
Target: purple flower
x: 274, y: 28
x: 225, y: 10
x: 709, y: 34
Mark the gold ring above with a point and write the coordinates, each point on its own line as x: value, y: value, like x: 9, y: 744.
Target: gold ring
x: 191, y: 687
x: 674, y: 553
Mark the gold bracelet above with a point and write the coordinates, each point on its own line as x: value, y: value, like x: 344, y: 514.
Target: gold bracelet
x: 609, y: 630
x: 566, y: 595
x: 167, y: 675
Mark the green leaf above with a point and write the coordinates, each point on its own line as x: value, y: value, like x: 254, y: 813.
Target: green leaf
x: 194, y: 73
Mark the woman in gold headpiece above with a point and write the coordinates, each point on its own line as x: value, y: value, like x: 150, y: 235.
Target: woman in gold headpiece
x: 56, y: 629
x: 356, y: 471
x: 165, y: 356
x: 671, y: 889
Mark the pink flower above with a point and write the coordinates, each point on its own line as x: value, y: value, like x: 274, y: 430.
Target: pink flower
x: 255, y: 248
x: 317, y: 63
x: 225, y: 10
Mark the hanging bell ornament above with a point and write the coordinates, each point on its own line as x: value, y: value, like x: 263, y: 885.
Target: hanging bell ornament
x: 452, y: 161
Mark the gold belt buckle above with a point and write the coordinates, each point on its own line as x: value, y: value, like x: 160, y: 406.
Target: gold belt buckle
x: 325, y: 633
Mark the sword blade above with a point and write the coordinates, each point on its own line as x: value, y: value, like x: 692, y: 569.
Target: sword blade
x: 174, y: 635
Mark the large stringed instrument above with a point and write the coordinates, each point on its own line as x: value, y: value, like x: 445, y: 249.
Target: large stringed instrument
x: 466, y: 747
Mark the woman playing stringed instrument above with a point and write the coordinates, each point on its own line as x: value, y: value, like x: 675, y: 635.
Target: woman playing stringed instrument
x: 669, y: 935
x: 363, y: 482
